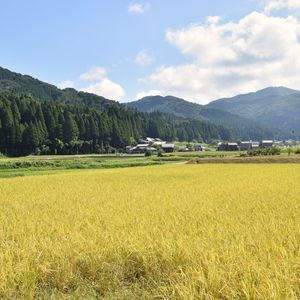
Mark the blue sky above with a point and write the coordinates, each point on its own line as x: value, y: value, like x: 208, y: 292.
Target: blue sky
x: 127, y: 49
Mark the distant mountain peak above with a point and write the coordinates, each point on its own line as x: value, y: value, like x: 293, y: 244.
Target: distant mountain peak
x: 274, y: 107
x: 277, y: 90
x: 186, y: 109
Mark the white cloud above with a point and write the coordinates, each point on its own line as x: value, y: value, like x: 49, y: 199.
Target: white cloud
x: 106, y: 88
x: 138, y: 8
x: 66, y: 84
x: 101, y: 85
x: 213, y: 19
x: 143, y: 58
x: 281, y: 4
x: 95, y: 73
x: 148, y: 93
x: 226, y: 59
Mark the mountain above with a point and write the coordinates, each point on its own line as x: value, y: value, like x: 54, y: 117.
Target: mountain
x: 19, y: 84
x: 245, y: 128
x: 275, y: 107
x: 39, y: 117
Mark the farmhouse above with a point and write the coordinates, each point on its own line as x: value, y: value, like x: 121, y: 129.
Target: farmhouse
x: 158, y: 143
x: 228, y: 147
x: 247, y: 145
x: 279, y: 144
x: 255, y: 145
x: 266, y: 144
x: 150, y: 144
x: 168, y: 147
x: 199, y: 147
x: 141, y: 148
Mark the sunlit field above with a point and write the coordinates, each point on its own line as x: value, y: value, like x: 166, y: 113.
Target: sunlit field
x: 159, y: 232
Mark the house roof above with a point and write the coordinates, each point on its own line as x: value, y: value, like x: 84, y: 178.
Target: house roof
x: 159, y: 143
x: 168, y: 145
x: 267, y: 141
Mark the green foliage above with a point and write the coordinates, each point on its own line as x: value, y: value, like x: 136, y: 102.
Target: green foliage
x: 297, y: 151
x: 35, y: 115
x: 275, y: 107
x: 30, y: 126
x: 26, y: 85
x: 160, y: 153
x: 264, y: 151
x: 239, y: 127
x: 148, y: 153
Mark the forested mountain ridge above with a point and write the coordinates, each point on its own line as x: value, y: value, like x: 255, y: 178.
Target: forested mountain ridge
x: 38, y: 117
x: 35, y: 117
x: 19, y: 84
x: 49, y: 127
x: 276, y: 107
x: 245, y: 128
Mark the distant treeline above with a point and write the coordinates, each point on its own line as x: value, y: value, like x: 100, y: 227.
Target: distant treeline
x: 29, y: 126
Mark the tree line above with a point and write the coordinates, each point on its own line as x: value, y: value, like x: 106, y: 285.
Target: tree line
x: 28, y: 126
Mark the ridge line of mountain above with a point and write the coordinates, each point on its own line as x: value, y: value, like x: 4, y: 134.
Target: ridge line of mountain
x: 245, y: 114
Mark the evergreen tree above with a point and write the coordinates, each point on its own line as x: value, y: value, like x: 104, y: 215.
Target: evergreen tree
x: 28, y: 126
x: 70, y: 128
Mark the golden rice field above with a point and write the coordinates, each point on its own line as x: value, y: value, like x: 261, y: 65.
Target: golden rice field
x: 163, y: 232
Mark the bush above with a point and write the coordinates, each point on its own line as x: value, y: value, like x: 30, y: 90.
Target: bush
x: 148, y: 153
x: 297, y: 151
x: 160, y: 153
x: 274, y: 151
x: 264, y: 151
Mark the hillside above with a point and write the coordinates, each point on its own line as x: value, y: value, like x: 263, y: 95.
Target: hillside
x: 19, y: 84
x: 47, y: 127
x: 276, y: 107
x: 246, y: 129
x: 39, y: 117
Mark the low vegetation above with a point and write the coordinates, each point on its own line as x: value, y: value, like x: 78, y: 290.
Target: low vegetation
x: 297, y: 151
x: 264, y: 151
x: 50, y: 165
x: 161, y: 232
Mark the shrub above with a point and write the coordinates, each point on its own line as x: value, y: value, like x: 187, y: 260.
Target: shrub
x: 264, y: 152
x: 160, y: 153
x: 148, y: 153
x: 297, y: 151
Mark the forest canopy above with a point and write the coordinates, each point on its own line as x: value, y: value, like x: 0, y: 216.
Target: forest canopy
x: 47, y: 127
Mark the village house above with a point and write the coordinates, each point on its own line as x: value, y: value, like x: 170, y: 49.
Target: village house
x: 150, y: 144
x: 168, y: 147
x: 140, y: 148
x: 266, y: 144
x: 228, y: 147
x: 248, y: 145
x: 199, y: 147
x: 279, y: 144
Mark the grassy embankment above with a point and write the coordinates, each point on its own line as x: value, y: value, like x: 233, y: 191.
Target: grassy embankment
x: 38, y: 165
x: 50, y: 165
x: 161, y: 232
